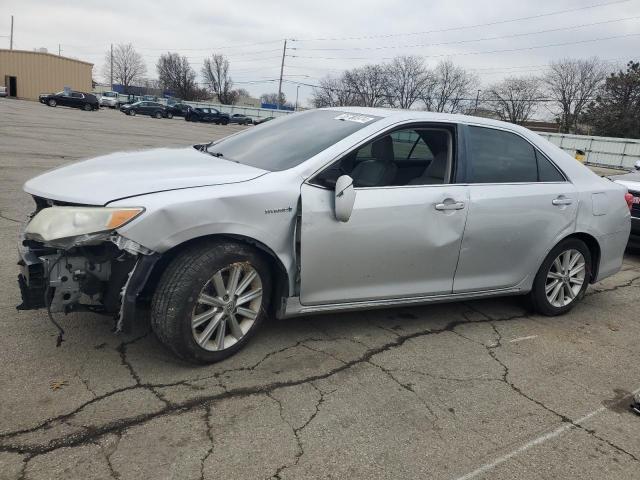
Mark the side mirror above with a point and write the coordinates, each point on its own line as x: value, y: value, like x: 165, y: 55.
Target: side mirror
x: 636, y: 166
x: 345, y: 197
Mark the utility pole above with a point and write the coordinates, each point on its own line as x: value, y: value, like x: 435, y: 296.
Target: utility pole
x: 284, y: 52
x: 59, y: 50
x: 111, y: 77
x: 11, y: 38
x: 297, y: 91
x: 477, y: 98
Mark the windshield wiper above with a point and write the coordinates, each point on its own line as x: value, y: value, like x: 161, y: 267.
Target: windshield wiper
x: 221, y: 155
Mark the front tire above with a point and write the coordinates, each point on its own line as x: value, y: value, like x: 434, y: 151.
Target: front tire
x: 562, y: 279
x: 210, y: 300
x: 169, y: 115
x: 87, y: 107
x: 157, y: 115
x: 51, y: 102
x: 132, y: 113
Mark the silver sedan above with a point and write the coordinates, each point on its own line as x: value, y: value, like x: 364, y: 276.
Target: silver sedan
x: 321, y: 211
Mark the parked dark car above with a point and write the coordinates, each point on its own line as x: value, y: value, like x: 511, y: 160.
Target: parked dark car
x: 85, y: 101
x: 178, y: 110
x: 153, y: 109
x: 240, y: 119
x: 262, y: 120
x: 205, y: 114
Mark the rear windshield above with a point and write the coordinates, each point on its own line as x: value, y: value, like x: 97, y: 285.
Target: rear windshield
x: 288, y: 141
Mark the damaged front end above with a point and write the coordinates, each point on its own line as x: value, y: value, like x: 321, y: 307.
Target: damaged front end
x: 72, y: 259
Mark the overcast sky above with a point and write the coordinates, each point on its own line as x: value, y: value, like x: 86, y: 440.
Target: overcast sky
x: 331, y: 35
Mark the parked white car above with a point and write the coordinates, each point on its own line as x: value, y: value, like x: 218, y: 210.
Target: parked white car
x: 320, y: 211
x: 109, y: 99
x: 3, y: 91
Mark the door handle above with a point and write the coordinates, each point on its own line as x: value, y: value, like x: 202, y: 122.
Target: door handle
x: 450, y: 206
x: 561, y: 200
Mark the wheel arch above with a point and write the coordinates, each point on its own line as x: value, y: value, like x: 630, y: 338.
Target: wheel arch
x: 279, y: 272
x: 594, y: 249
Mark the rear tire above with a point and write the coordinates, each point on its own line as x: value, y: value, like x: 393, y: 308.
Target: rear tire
x: 555, y: 289
x: 157, y: 115
x: 189, y: 292
x: 169, y: 115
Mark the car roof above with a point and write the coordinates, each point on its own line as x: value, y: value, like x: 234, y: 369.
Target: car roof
x: 422, y: 116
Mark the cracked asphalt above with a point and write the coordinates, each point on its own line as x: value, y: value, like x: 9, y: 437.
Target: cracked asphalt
x: 478, y: 389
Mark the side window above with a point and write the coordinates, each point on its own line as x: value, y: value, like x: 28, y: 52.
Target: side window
x: 404, y: 157
x: 501, y: 157
x: 547, y: 172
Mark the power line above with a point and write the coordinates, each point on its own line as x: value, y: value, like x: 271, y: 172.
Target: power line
x: 467, y: 27
x: 506, y: 50
x: 483, y: 39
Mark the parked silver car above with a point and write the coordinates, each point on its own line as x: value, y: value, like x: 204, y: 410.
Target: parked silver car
x: 321, y: 211
x: 109, y: 99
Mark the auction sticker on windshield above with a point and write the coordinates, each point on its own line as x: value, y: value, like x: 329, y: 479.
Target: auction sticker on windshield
x: 350, y: 117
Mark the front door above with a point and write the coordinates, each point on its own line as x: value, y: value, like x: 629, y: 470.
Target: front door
x: 403, y: 237
x: 520, y: 205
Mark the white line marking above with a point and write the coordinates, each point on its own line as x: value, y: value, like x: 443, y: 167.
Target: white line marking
x: 521, y: 339
x: 536, y: 441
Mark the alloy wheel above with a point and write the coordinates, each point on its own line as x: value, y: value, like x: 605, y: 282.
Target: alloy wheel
x: 227, y: 307
x: 565, y: 278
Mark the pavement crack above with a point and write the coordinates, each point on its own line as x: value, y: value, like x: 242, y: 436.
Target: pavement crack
x: 296, y: 430
x: 597, y: 291
x: 491, y: 349
x: 9, y: 218
x: 318, y: 350
x: 207, y: 420
x: 124, y: 360
x: 119, y: 425
x: 108, y: 453
x: 409, y: 388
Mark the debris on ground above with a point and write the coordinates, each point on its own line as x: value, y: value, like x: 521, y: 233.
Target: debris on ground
x: 57, y: 384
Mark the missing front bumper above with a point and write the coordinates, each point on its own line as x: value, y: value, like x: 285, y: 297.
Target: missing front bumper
x: 104, y: 278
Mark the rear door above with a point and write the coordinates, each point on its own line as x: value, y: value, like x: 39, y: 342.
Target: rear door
x: 520, y: 205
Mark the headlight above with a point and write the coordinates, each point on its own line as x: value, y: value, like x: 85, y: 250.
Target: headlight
x: 62, y: 222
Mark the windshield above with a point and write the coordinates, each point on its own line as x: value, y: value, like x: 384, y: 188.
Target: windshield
x: 109, y: 94
x: 289, y: 141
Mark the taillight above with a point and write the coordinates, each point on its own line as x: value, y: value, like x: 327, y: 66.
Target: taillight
x: 629, y: 198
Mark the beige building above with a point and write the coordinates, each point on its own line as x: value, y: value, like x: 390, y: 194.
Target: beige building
x: 28, y: 74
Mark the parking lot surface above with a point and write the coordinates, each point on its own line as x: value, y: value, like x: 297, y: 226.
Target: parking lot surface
x: 467, y: 390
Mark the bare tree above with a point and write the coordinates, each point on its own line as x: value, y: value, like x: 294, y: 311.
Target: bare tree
x: 448, y: 88
x: 216, y: 74
x: 406, y: 80
x: 128, y: 66
x: 572, y: 84
x: 272, y: 98
x: 515, y: 99
x: 368, y: 84
x: 333, y: 92
x: 175, y: 73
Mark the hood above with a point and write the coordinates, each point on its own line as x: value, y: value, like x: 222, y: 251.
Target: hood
x: 101, y: 180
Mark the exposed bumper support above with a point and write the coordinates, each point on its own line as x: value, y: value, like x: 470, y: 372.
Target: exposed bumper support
x: 132, y: 288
